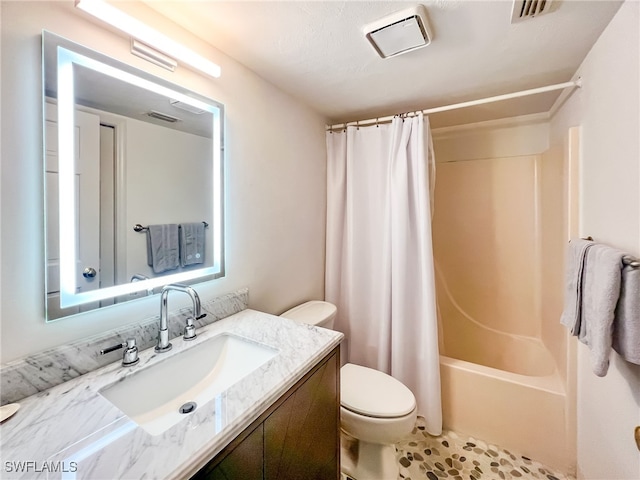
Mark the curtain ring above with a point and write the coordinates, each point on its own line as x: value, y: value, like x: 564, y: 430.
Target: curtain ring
x: 377, y: 124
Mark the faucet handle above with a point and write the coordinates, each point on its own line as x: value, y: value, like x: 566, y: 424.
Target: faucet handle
x: 112, y: 348
x: 130, y: 354
x: 189, y: 329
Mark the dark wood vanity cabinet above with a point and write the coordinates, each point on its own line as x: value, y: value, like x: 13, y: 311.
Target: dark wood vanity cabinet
x: 244, y: 462
x: 296, y: 438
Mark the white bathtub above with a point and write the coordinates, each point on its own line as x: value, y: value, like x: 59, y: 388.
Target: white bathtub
x: 523, y: 413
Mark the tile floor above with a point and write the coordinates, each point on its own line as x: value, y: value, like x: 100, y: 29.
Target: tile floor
x: 458, y: 457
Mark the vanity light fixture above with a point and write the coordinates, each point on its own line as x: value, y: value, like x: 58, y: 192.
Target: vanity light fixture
x: 134, y: 27
x: 149, y: 54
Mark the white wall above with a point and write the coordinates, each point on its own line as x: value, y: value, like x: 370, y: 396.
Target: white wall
x: 275, y: 180
x: 608, y: 110
x: 166, y: 182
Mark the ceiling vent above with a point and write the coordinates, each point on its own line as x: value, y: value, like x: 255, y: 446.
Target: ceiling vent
x: 523, y: 9
x: 162, y: 116
x: 400, y: 32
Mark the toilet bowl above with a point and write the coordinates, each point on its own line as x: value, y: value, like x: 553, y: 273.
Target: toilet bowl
x: 375, y: 409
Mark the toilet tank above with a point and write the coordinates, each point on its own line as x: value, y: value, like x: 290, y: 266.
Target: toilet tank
x: 315, y: 312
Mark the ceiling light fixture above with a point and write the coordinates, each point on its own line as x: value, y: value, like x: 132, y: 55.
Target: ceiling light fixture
x: 131, y: 26
x: 186, y: 106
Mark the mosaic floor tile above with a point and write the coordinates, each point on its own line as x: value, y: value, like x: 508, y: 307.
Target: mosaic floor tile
x: 455, y: 456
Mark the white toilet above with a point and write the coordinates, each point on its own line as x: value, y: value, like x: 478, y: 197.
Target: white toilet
x: 375, y: 408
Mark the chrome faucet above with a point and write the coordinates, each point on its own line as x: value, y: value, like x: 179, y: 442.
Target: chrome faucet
x: 138, y: 277
x: 189, y: 330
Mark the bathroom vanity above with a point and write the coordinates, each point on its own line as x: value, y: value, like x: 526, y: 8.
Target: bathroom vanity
x: 297, y: 438
x: 281, y: 420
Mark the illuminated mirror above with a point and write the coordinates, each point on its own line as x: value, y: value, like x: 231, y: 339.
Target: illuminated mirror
x: 133, y: 181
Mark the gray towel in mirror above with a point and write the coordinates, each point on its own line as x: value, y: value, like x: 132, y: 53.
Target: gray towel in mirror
x: 162, y: 247
x: 192, y: 243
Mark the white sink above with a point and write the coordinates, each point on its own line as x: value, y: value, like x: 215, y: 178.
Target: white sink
x: 152, y: 397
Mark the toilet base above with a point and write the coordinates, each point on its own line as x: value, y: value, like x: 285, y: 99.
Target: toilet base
x: 368, y: 461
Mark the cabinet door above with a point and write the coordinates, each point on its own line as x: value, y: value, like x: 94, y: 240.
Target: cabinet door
x: 245, y: 462
x: 301, y: 437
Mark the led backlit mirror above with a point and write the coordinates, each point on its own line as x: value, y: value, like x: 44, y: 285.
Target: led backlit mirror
x: 125, y: 148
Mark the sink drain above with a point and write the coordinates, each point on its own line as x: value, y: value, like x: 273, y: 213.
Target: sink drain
x: 188, y: 407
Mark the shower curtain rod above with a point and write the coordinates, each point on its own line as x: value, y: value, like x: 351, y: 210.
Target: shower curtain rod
x: 471, y: 103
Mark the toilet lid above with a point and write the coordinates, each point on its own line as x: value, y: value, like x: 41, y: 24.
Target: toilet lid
x: 373, y: 393
x: 314, y: 312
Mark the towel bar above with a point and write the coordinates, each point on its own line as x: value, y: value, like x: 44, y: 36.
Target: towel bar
x: 627, y: 259
x: 139, y: 228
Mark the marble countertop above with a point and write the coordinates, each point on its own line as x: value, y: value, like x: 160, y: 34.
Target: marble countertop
x: 71, y: 431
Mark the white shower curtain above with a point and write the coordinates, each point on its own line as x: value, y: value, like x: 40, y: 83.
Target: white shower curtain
x: 379, y: 269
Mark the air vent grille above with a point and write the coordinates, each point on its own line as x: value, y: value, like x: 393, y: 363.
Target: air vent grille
x: 523, y: 9
x: 163, y: 116
x: 398, y: 33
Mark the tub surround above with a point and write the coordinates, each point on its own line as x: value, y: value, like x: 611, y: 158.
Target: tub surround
x: 499, y: 287
x: 72, y: 422
x: 37, y: 373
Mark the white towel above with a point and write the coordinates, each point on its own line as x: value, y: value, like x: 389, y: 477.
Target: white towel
x: 626, y: 325
x: 192, y: 240
x: 575, y: 260
x: 600, y: 292
x: 162, y: 247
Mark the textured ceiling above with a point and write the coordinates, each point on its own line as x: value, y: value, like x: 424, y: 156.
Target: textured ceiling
x: 316, y: 52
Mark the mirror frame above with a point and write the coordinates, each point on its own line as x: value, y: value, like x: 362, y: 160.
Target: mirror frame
x: 67, y: 55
